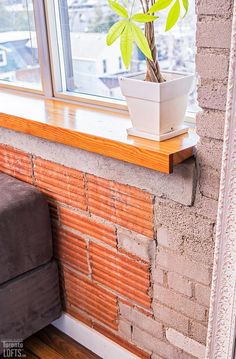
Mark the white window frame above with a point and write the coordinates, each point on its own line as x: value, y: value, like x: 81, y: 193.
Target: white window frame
x: 43, y: 53
x: 52, y: 66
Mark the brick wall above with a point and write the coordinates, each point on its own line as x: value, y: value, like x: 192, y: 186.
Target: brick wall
x: 132, y: 265
x: 135, y: 248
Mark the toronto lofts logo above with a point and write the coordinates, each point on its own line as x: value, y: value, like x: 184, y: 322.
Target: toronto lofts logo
x: 13, y: 348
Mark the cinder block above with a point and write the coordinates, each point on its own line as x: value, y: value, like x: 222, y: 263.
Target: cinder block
x: 158, y: 275
x: 210, y: 7
x: 170, y: 317
x: 169, y: 239
x: 199, y: 250
x: 156, y: 356
x: 141, y: 321
x: 158, y: 346
x: 214, y: 32
x: 180, y: 284
x: 149, y: 325
x: 125, y: 311
x: 209, y: 153
x: 179, y: 303
x: 182, y: 220
x: 185, y: 343
x: 212, y: 95
x: 207, y: 63
x: 136, y: 244
x: 198, y: 332
x: 202, y: 294
x: 124, y: 329
x: 182, y: 265
x: 209, y: 182
x: 210, y: 123
x: 205, y: 206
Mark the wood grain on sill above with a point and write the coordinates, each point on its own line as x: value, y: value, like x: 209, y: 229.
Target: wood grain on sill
x: 93, y: 130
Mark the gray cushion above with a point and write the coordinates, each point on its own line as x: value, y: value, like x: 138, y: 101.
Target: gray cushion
x: 29, y: 303
x: 25, y: 231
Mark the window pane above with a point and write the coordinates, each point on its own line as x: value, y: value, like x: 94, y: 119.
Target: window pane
x: 18, y: 45
x: 95, y: 68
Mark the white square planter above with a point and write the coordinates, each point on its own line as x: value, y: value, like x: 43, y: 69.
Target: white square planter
x: 157, y: 110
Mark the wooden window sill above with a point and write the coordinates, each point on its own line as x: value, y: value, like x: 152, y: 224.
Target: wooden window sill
x: 93, y: 130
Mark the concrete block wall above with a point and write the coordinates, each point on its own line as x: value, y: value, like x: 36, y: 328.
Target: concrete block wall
x: 213, y: 48
x: 135, y: 247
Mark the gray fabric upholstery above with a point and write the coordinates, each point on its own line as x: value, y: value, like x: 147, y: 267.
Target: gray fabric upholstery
x: 29, y: 303
x: 29, y: 285
x: 25, y: 232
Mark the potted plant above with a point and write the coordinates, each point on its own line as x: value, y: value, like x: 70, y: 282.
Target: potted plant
x: 157, y: 102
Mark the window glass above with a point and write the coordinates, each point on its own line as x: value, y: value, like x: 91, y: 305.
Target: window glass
x: 18, y: 45
x: 95, y: 68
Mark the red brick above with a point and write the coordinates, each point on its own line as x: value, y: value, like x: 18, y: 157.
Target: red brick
x: 120, y: 273
x: 131, y: 255
x: 113, y: 191
x: 88, y: 226
x: 53, y: 209
x: 16, y: 163
x: 125, y: 189
x: 82, y: 317
x: 127, y: 206
x: 115, y: 338
x: 88, y: 297
x: 71, y: 249
x: 61, y: 183
x: 64, y: 171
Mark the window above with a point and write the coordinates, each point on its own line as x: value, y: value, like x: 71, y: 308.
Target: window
x: 81, y: 66
x: 18, y: 44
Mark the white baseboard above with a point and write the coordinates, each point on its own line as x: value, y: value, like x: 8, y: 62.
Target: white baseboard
x: 91, y: 339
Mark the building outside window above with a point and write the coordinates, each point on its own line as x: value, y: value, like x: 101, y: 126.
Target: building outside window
x: 18, y: 44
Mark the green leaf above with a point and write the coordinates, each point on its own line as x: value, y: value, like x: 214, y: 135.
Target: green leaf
x: 115, y: 31
x: 159, y: 5
x: 126, y: 44
x: 119, y: 9
x: 186, y: 5
x: 141, y: 41
x: 173, y: 16
x: 144, y: 17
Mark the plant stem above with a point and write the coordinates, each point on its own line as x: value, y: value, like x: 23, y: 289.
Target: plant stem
x: 141, y: 1
x: 153, y: 73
